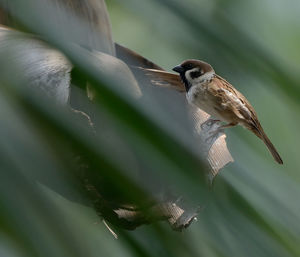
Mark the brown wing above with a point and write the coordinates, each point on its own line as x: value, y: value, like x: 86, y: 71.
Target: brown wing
x: 157, y: 75
x: 244, y: 110
x: 250, y: 119
x: 234, y: 100
x: 163, y: 78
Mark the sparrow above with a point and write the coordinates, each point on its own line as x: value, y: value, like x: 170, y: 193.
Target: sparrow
x: 150, y: 74
x: 214, y: 95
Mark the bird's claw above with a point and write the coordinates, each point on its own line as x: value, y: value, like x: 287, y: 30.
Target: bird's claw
x: 214, y: 134
x: 209, y: 123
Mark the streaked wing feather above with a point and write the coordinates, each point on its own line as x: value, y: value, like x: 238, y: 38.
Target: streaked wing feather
x: 164, y: 79
x: 242, y: 108
x: 156, y: 74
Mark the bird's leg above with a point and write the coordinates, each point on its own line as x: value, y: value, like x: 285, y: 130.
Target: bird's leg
x: 221, y: 128
x: 214, y: 133
x: 209, y: 123
x: 228, y: 125
x: 212, y: 129
x: 214, y: 120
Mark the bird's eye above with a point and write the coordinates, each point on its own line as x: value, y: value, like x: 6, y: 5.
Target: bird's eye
x: 189, y: 66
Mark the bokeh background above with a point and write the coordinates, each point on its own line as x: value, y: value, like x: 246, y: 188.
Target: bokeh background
x: 253, y: 208
x: 246, y: 42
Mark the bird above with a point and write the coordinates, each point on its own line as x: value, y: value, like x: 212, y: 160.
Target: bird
x: 216, y: 96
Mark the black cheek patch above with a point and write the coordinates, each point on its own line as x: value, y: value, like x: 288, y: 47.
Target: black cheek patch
x: 195, y: 74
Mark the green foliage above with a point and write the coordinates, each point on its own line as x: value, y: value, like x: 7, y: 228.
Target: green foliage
x: 253, y: 209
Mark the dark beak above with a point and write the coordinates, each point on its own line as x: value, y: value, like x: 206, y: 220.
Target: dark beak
x: 178, y: 69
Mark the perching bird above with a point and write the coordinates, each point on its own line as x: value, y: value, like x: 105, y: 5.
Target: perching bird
x: 217, y: 97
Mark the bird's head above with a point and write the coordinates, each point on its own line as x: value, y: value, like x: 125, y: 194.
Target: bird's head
x: 193, y: 72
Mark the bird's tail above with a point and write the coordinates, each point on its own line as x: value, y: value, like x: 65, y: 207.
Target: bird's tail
x: 258, y: 130
x: 271, y: 148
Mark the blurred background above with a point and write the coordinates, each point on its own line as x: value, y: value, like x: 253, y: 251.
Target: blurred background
x: 243, y: 41
x: 253, y: 208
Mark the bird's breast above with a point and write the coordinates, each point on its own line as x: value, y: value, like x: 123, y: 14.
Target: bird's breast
x: 200, y: 96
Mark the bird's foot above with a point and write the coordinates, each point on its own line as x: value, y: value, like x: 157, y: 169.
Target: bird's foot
x: 214, y: 134
x: 209, y: 123
x: 210, y: 130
